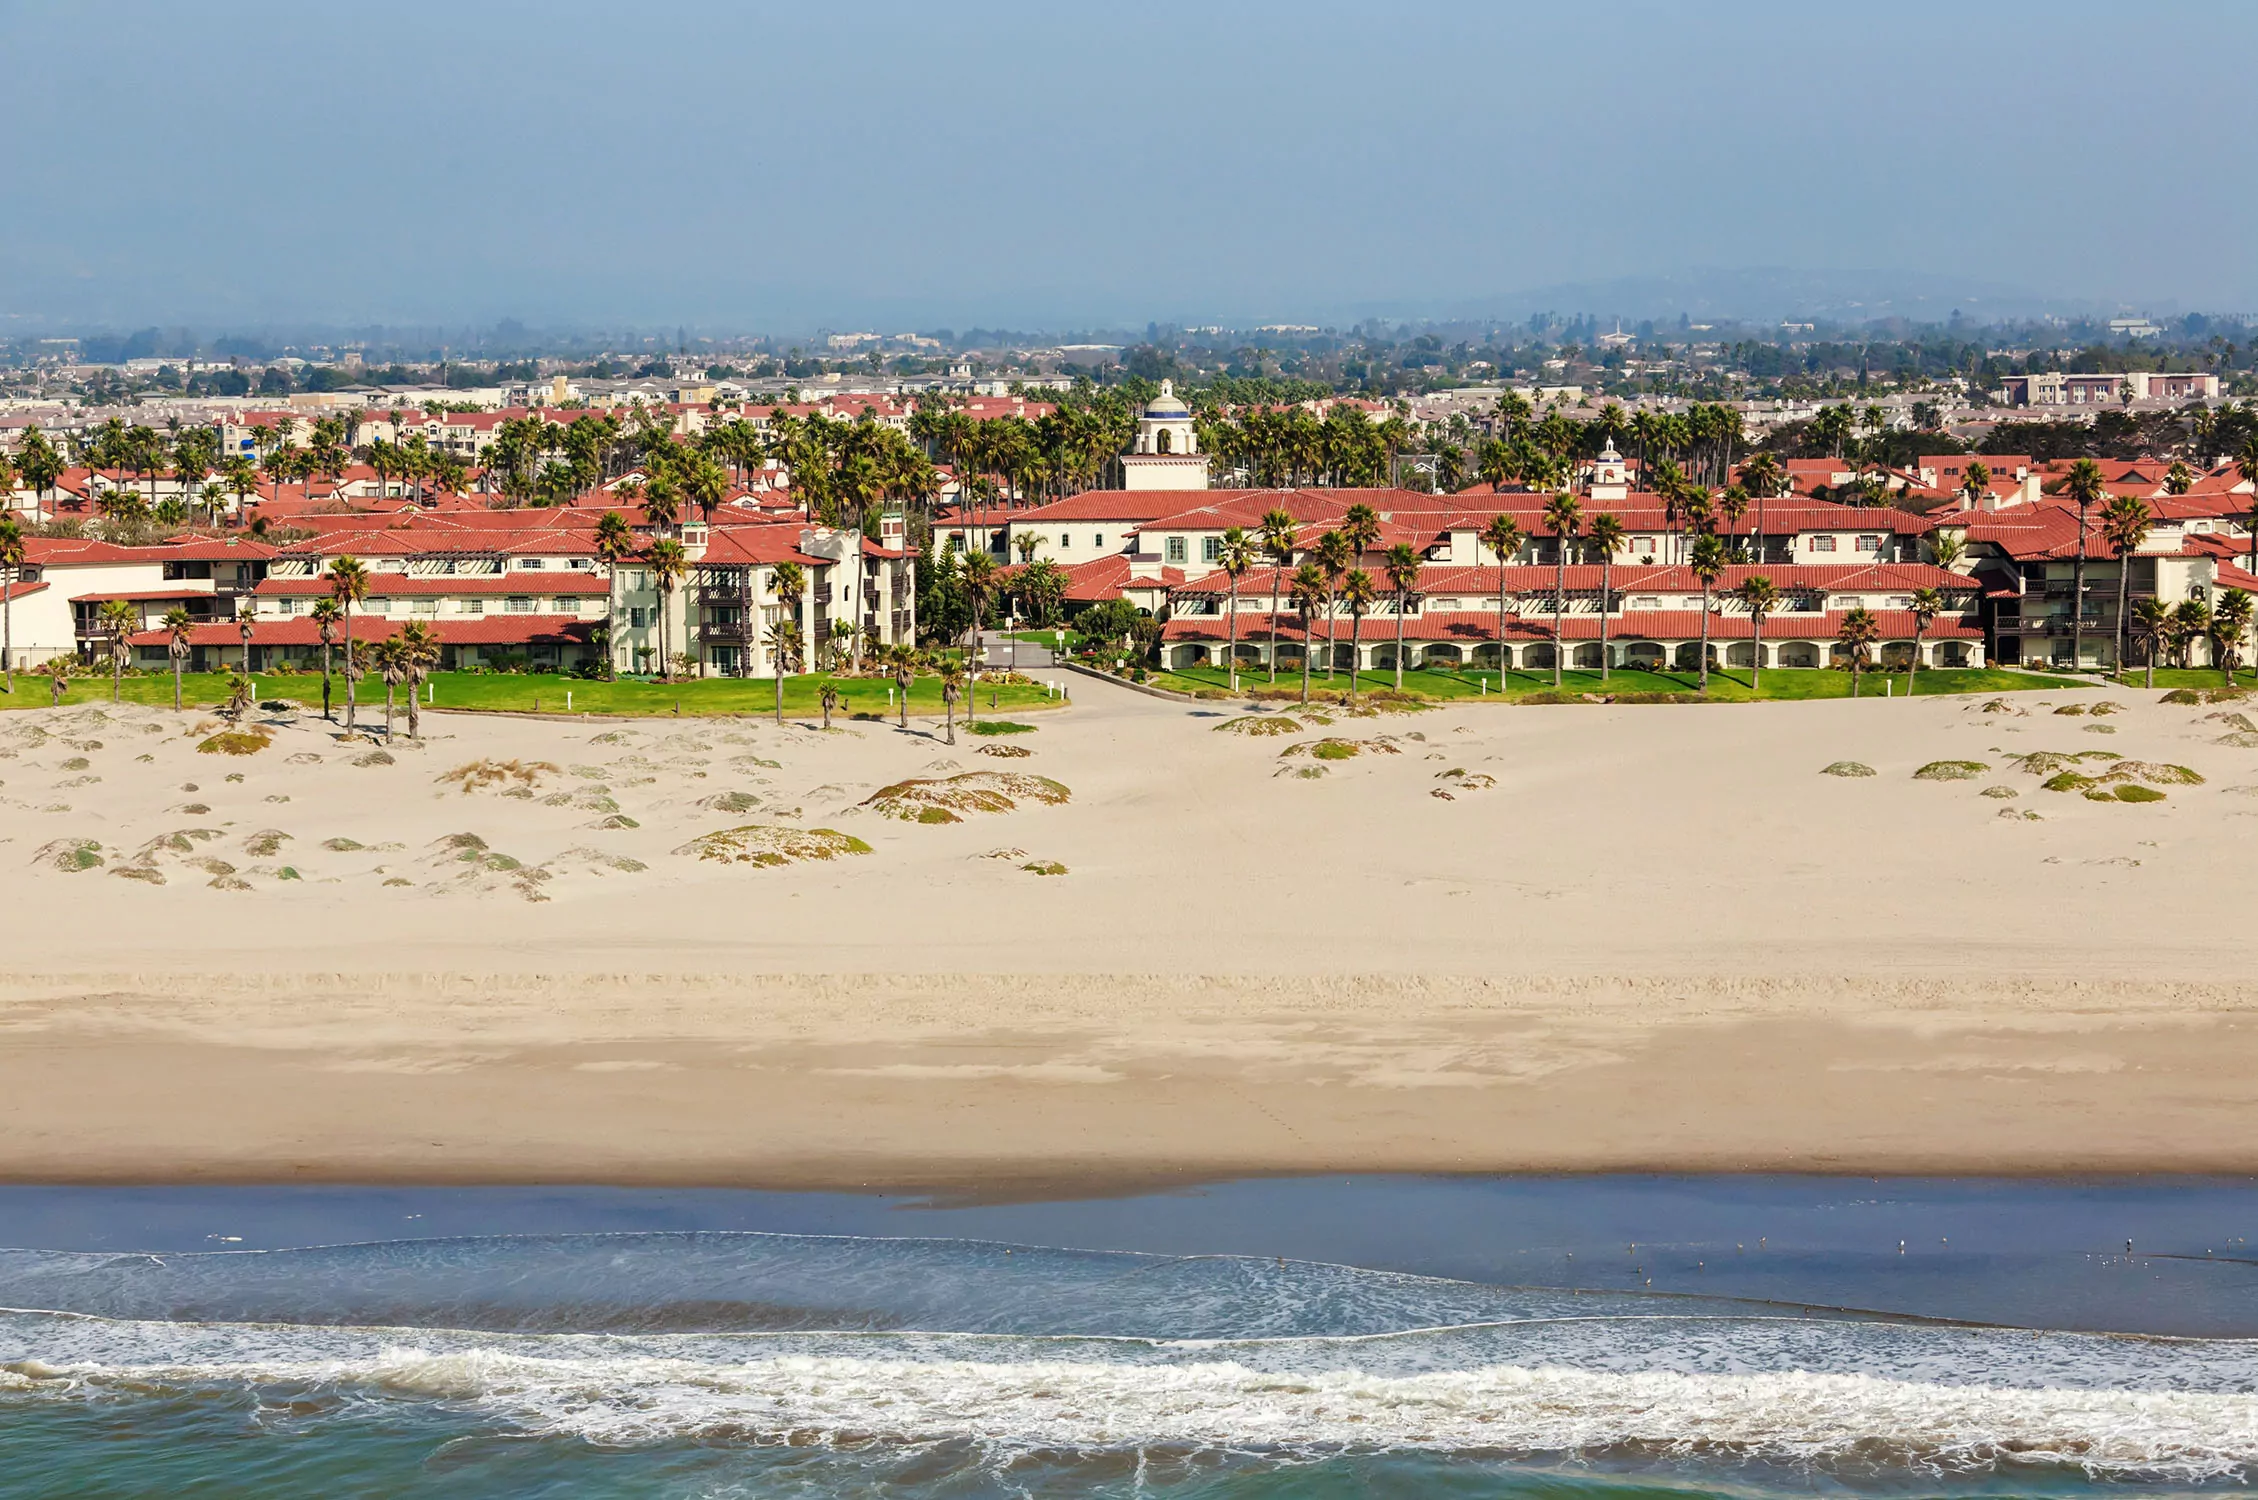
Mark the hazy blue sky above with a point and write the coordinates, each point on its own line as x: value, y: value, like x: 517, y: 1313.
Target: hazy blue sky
x: 1045, y: 164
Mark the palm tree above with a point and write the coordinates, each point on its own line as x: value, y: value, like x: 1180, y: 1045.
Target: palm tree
x: 952, y: 687
x: 1707, y: 560
x: 1927, y: 605
x: 325, y: 617
x: 784, y: 642
x: 669, y: 564
x: 1564, y: 516
x: 246, y: 617
x: 2124, y: 526
x: 2230, y: 624
x: 1310, y: 594
x: 178, y: 624
x: 1765, y: 477
x: 1946, y: 549
x: 976, y: 577
x: 1606, y: 536
x: 421, y: 643
x: 1334, y: 557
x: 2152, y: 622
x: 615, y: 544
x: 1236, y: 557
x: 2191, y: 622
x: 1761, y: 598
x: 1856, y: 635
x: 390, y: 657
x: 829, y: 699
x: 12, y: 560
x: 1277, y: 537
x: 1357, y: 590
x: 904, y: 659
x: 117, y: 619
x: 1502, y: 535
x: 348, y: 585
x: 1362, y: 528
x: 2086, y: 487
x: 1403, y: 578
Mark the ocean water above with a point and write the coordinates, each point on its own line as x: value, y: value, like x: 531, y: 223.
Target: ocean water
x: 1359, y: 1337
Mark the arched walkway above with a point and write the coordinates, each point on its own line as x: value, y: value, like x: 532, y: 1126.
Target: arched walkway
x: 1643, y: 656
x: 1798, y: 654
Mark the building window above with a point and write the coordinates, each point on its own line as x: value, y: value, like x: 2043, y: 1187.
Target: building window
x: 638, y: 617
x: 1822, y: 544
x: 1850, y: 602
x: 1901, y: 601
x: 520, y: 606
x: 1097, y: 539
x: 424, y: 607
x: 474, y: 606
x: 566, y: 607
x: 1175, y: 549
x: 531, y: 564
x: 1869, y: 544
x: 1211, y: 549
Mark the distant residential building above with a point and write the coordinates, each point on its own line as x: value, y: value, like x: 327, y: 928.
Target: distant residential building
x: 2055, y: 388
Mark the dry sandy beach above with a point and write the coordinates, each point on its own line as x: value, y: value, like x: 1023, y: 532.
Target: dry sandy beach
x: 1662, y: 939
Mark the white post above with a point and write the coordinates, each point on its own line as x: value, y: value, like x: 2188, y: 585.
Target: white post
x: 568, y: 700
x: 889, y: 697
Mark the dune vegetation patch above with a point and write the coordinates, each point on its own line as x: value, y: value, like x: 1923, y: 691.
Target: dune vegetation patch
x: 374, y: 758
x: 2135, y: 793
x: 71, y: 855
x: 2154, y: 773
x: 2190, y: 697
x: 266, y: 843
x: 767, y: 845
x: 474, y: 863
x: 2047, y: 762
x: 947, y: 800
x: 1951, y: 770
x: 478, y: 775
x: 343, y: 845
x: 999, y: 726
x: 2071, y: 711
x: 1044, y: 867
x: 1006, y: 752
x: 2000, y: 793
x: 236, y: 742
x: 730, y: 802
x: 1259, y: 725
x: 2241, y: 739
x: 1334, y: 748
x: 1847, y: 768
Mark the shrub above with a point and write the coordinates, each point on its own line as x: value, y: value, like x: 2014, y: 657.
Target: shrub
x: 2134, y: 793
x: 236, y: 742
x: 1847, y: 768
x: 1951, y: 770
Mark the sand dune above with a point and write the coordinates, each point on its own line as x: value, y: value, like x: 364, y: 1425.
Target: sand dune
x: 725, y: 951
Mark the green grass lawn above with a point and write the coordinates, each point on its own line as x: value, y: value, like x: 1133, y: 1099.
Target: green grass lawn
x: 1786, y: 684
x: 547, y: 693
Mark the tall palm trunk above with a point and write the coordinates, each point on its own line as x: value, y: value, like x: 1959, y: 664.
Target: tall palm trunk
x: 1606, y: 597
x: 1305, y: 635
x: 389, y: 686
x: 1356, y: 646
x: 175, y: 682
x: 1332, y: 629
x: 1402, y: 605
x: 1274, y: 623
x: 1231, y: 648
x: 666, y: 640
x: 1756, y: 662
x: 1559, y: 601
x: 780, y: 691
x: 2078, y: 598
x: 1705, y: 637
x: 2124, y: 588
x: 1501, y: 625
x: 1913, y: 668
x: 351, y: 683
x: 8, y: 630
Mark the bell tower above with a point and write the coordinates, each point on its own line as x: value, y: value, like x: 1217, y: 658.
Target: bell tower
x: 1166, y: 454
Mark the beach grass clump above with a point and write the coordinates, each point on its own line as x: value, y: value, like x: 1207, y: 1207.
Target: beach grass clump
x: 730, y: 802
x: 2101, y: 729
x: 2002, y: 706
x: 343, y: 845
x: 1044, y: 867
x: 2067, y: 781
x: 614, y: 821
x: 2133, y: 792
x: 948, y: 799
x: 2107, y: 707
x: 1847, y: 768
x: 1479, y: 781
x: 1951, y: 770
x: 1259, y: 725
x: 999, y: 726
x: 516, y: 775
x: 2241, y: 739
x: 374, y: 758
x: 1305, y: 773
x: 147, y: 874
x: 1334, y: 749
x: 1006, y: 752
x: 71, y: 855
x: 1999, y: 793
x: 266, y: 843
x: 767, y: 846
x: 2154, y: 773
x: 2071, y: 711
x: 236, y: 742
x: 2191, y: 697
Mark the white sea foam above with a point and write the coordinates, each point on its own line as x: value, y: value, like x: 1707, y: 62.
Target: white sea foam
x: 1830, y: 1420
